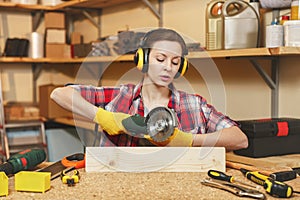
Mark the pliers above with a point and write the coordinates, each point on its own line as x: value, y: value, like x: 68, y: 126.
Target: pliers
x: 234, y: 188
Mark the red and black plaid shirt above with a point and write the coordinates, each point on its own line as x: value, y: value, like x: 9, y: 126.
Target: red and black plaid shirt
x: 194, y: 114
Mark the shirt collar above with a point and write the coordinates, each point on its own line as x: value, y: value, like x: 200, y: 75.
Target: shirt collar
x: 174, y: 99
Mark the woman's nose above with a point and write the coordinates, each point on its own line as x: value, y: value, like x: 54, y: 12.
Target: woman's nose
x: 168, y: 65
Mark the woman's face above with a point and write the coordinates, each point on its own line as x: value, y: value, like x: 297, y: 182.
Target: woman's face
x: 164, y: 62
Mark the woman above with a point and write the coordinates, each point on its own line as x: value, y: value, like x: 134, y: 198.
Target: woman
x: 161, y: 57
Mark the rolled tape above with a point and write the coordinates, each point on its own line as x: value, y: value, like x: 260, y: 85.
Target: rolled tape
x: 36, y: 49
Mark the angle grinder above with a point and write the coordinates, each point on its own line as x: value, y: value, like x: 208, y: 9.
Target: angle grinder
x: 159, y: 124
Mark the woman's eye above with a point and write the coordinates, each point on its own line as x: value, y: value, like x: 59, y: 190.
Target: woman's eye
x: 160, y: 59
x: 175, y: 62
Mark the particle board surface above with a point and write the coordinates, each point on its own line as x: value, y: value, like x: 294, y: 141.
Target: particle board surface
x: 155, y: 159
x: 152, y: 185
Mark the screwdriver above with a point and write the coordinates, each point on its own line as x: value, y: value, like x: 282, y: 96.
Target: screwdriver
x: 254, y: 176
x: 278, y: 189
x: 224, y: 177
x: 274, y: 188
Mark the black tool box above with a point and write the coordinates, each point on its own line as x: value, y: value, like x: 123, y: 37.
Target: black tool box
x: 271, y: 137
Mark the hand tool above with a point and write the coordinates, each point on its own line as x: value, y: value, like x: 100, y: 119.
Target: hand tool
x: 224, y: 177
x: 234, y: 188
x: 24, y: 160
x: 70, y: 180
x: 55, y: 169
x: 235, y: 165
x: 274, y: 188
x: 255, y: 176
x: 284, y: 175
x: 68, y: 163
x: 278, y: 189
x: 76, y: 161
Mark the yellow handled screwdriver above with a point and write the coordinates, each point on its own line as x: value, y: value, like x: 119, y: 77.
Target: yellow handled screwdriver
x: 274, y: 188
x: 224, y: 177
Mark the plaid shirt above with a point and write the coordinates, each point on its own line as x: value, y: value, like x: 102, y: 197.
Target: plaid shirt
x: 194, y: 114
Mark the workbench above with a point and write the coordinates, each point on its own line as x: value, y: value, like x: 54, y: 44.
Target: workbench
x: 152, y: 185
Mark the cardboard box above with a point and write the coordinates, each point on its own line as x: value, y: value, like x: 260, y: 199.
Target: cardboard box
x: 76, y: 38
x: 54, y: 50
x: 81, y: 50
x: 55, y: 20
x: 54, y: 35
x: 21, y: 111
x: 49, y: 108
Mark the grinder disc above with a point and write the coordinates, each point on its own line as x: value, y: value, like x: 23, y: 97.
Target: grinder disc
x: 161, y: 122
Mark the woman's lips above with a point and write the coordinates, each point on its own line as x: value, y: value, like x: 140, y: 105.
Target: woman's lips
x: 165, y: 78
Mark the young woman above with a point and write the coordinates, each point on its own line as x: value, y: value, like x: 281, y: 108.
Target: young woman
x: 161, y: 57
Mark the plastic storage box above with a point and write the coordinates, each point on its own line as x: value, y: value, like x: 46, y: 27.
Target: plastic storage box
x: 30, y: 181
x: 271, y: 137
x: 3, y: 184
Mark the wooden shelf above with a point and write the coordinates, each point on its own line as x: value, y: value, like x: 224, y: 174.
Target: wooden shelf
x: 92, y: 4
x: 230, y: 53
x: 192, y: 55
x: 246, y: 52
x: 99, y: 3
x: 122, y: 58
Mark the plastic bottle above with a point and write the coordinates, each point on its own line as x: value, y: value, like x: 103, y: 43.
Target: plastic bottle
x: 241, y: 25
x: 214, y: 25
x: 255, y: 5
x: 274, y: 35
x: 295, y: 10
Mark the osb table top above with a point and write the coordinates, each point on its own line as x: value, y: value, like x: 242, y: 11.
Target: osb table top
x: 148, y: 185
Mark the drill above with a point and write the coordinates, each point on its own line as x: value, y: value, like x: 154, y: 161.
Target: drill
x: 23, y: 160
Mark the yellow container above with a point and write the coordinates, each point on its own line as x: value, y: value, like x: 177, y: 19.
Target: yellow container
x: 3, y: 184
x: 32, y: 181
x: 295, y: 10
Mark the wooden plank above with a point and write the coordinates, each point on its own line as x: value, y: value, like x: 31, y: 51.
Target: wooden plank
x: 230, y: 53
x: 285, y: 51
x: 271, y: 162
x: 100, y: 3
x: 154, y: 159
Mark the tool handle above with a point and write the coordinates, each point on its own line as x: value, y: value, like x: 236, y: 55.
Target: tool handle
x: 255, y: 177
x: 278, y: 189
x: 219, y: 176
x: 239, y: 166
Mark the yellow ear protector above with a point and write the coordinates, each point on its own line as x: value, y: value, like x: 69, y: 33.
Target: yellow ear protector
x: 70, y: 180
x: 141, y: 59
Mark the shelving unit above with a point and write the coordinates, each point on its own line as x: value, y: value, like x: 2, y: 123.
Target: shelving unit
x: 252, y: 54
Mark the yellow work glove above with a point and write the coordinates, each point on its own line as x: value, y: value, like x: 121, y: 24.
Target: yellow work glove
x: 111, y: 122
x: 178, y: 139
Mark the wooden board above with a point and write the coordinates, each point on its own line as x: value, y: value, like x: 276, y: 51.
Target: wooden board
x: 271, y: 162
x: 153, y: 159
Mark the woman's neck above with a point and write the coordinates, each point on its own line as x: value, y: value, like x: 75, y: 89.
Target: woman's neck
x: 155, y: 96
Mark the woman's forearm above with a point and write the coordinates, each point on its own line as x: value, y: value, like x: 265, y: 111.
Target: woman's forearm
x: 70, y: 99
x: 231, y: 138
